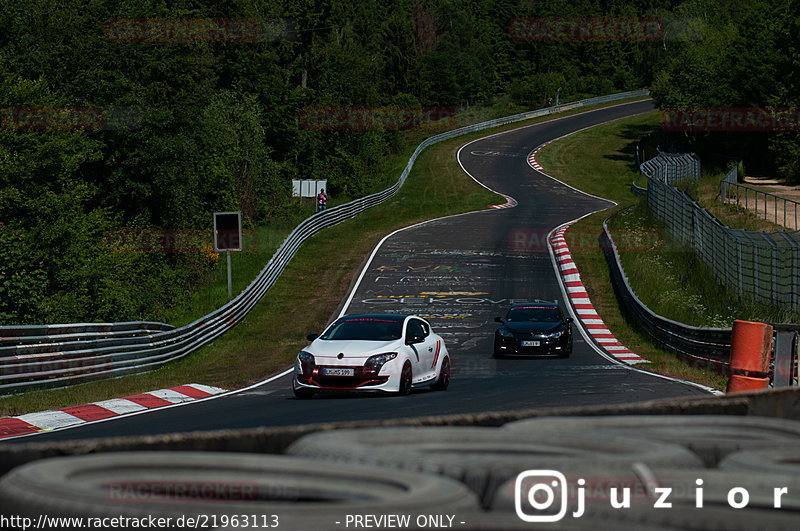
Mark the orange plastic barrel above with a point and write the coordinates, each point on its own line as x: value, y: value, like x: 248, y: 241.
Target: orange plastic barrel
x: 741, y: 384
x: 751, y: 346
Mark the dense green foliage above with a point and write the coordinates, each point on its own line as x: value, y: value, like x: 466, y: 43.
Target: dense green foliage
x: 737, y: 54
x: 209, y: 125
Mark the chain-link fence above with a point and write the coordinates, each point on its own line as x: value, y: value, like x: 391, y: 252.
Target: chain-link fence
x: 761, y: 266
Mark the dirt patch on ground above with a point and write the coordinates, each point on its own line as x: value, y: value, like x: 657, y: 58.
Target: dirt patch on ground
x: 774, y: 186
x: 782, y: 210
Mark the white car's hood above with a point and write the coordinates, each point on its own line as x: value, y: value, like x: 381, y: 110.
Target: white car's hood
x: 354, y: 351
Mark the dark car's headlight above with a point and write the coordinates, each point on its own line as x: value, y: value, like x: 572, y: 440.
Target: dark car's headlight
x: 304, y: 359
x: 376, y: 362
x: 506, y: 333
x: 554, y: 335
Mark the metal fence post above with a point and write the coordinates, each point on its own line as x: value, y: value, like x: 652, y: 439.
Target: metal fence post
x: 756, y: 264
x: 795, y: 289
x: 774, y: 248
x: 783, y: 374
x: 740, y: 258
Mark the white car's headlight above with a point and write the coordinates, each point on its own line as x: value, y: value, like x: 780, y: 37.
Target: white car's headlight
x: 303, y: 359
x: 374, y: 363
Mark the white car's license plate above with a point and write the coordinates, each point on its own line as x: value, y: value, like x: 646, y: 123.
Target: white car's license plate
x: 338, y: 372
x: 530, y: 343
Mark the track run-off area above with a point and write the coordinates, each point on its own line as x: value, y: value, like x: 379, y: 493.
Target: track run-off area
x: 459, y: 272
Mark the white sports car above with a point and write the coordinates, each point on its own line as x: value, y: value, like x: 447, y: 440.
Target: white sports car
x: 374, y: 352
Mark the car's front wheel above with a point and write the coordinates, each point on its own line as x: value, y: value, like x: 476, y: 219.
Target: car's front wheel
x: 497, y: 352
x: 444, y: 376
x: 405, y: 380
x: 568, y: 351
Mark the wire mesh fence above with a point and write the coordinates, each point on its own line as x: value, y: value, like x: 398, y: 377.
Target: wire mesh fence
x: 761, y: 266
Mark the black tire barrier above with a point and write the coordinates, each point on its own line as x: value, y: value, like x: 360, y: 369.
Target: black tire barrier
x: 688, y: 517
x: 782, y: 462
x: 495, y: 521
x: 710, y: 437
x: 303, y: 494
x: 484, y: 458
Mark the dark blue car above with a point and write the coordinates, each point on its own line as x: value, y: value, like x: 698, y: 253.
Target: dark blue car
x: 534, y: 328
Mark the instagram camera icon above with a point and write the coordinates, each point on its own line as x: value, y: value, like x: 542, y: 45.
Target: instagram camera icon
x: 539, y: 489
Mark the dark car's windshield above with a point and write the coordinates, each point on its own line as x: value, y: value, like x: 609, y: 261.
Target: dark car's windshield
x: 546, y: 314
x: 365, y: 329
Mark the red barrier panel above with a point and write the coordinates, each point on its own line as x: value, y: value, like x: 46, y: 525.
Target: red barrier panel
x: 741, y: 384
x: 751, y: 346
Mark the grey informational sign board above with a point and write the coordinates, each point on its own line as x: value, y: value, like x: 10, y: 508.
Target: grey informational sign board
x: 227, y: 231
x: 308, y: 187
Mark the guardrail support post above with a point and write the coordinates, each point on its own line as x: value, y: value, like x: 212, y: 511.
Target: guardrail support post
x: 784, y: 357
x: 230, y: 286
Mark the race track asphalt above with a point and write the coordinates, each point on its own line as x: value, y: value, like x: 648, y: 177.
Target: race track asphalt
x: 459, y: 272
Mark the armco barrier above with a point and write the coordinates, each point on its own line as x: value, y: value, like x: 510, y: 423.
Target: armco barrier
x: 86, y: 352
x: 707, y: 346
x: 29, y: 334
x: 701, y: 345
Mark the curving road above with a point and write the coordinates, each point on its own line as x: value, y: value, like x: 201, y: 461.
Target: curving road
x: 460, y: 272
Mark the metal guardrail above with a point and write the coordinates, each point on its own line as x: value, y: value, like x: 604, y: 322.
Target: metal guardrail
x: 761, y: 266
x: 706, y: 346
x: 732, y: 176
x: 638, y: 190
x: 732, y: 192
x: 703, y: 346
x: 76, y: 354
x: 31, y: 334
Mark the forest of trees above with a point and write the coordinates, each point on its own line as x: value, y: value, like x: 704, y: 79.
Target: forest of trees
x: 193, y: 126
x: 738, y: 55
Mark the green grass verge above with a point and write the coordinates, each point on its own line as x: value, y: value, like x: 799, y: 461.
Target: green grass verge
x: 212, y: 292
x: 310, y: 289
x: 601, y: 161
x: 706, y: 192
x: 672, y: 281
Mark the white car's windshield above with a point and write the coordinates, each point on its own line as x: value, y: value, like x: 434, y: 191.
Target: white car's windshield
x: 365, y: 329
